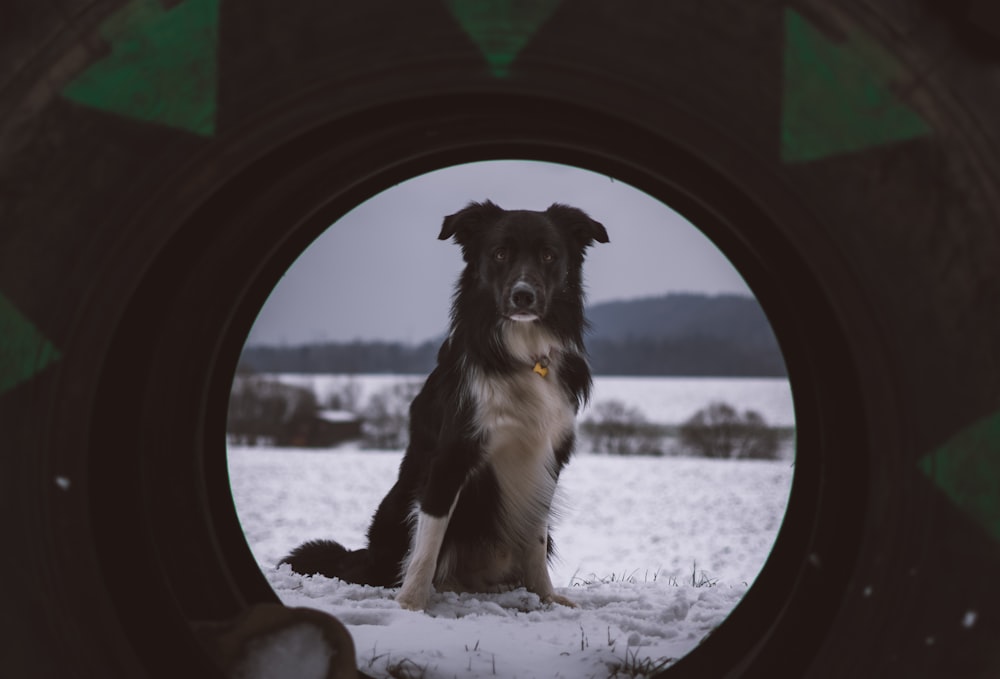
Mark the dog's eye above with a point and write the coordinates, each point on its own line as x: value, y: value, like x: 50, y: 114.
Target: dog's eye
x: 500, y: 254
x: 548, y: 256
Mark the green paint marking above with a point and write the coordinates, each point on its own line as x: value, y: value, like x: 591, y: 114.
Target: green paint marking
x: 501, y: 28
x: 837, y: 97
x: 24, y: 351
x: 161, y: 68
x: 967, y: 469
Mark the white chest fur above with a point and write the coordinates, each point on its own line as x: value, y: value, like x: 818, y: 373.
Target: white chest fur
x: 523, y: 417
x: 525, y: 410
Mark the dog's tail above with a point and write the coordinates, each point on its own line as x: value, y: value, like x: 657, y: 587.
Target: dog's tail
x: 329, y: 558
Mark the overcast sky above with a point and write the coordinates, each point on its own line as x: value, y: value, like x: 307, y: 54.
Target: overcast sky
x: 381, y: 273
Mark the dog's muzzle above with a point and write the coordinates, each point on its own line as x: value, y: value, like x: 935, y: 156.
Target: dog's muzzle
x: 524, y: 303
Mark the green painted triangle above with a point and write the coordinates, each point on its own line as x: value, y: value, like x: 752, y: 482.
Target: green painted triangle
x: 24, y: 351
x: 501, y: 28
x: 161, y: 68
x: 967, y: 469
x: 837, y: 97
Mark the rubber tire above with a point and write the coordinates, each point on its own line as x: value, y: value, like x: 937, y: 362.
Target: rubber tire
x: 135, y: 253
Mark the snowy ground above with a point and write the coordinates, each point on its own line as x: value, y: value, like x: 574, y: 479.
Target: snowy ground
x: 654, y: 551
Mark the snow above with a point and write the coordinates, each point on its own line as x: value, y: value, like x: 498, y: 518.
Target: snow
x: 672, y: 400
x: 655, y: 552
x: 331, y: 415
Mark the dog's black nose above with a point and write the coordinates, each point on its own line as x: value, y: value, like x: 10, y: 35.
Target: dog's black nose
x: 522, y: 296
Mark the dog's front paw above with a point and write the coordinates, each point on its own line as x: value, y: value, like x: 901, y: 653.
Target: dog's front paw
x: 412, y: 600
x: 556, y: 599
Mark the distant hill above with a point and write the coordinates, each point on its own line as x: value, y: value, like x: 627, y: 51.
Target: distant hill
x: 677, y: 334
x: 682, y: 315
x: 684, y: 334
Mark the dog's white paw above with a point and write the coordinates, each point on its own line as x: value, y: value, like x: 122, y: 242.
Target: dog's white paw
x: 412, y: 600
x: 557, y: 599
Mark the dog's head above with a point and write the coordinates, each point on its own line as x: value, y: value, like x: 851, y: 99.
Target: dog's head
x: 526, y: 260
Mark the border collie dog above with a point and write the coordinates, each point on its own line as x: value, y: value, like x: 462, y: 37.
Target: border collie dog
x: 494, y: 423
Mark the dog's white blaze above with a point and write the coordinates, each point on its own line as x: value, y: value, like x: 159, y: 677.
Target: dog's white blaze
x: 524, y: 417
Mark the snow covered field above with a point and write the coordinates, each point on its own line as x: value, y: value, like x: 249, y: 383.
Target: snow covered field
x: 655, y: 551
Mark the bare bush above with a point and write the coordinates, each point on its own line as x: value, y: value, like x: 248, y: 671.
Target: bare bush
x: 618, y: 429
x: 347, y: 396
x: 387, y: 416
x: 719, y: 431
x: 261, y: 410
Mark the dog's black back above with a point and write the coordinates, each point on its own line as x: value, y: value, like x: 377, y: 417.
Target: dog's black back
x: 492, y: 426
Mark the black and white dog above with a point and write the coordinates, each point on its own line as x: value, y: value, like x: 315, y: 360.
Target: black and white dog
x: 493, y: 425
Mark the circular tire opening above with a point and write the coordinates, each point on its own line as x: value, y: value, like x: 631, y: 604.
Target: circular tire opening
x: 637, y: 507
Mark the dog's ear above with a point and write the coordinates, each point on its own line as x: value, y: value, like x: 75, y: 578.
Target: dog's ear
x: 584, y: 229
x: 468, y: 221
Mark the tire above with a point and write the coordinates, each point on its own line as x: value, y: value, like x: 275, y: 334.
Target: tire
x: 162, y: 163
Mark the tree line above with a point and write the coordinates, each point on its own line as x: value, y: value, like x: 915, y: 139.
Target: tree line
x: 694, y: 356
x: 263, y: 411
